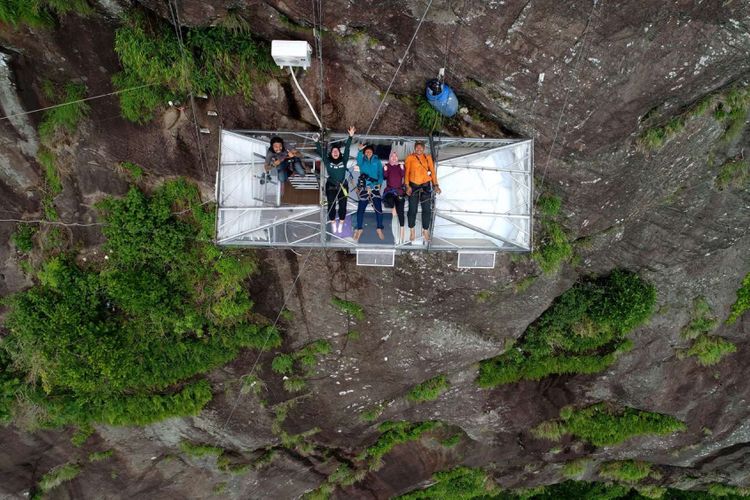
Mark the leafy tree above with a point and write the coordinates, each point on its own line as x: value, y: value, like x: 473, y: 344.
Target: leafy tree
x: 603, y: 424
x: 581, y: 332
x: 116, y: 343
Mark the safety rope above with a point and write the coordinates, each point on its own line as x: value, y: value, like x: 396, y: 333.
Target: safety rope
x: 99, y: 96
x: 567, y: 95
x: 318, y: 35
x: 175, y: 16
x: 403, y: 58
x: 268, y: 336
x: 434, y: 149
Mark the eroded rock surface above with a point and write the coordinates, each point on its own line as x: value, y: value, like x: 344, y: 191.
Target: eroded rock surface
x: 577, y: 77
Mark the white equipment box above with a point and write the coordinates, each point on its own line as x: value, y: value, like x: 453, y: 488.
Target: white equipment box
x: 295, y: 53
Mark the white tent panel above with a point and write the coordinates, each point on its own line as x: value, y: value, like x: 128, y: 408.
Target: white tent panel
x: 241, y: 181
x: 242, y: 226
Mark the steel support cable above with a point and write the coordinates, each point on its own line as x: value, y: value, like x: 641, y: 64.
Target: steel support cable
x: 174, y: 14
x: 403, y: 58
x: 270, y: 331
x: 116, y: 92
x: 567, y: 94
x: 318, y: 35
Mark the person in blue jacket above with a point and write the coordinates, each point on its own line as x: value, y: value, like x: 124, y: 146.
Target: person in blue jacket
x: 368, y: 189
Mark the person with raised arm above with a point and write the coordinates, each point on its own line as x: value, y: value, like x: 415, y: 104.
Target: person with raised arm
x: 336, y: 190
x: 280, y: 159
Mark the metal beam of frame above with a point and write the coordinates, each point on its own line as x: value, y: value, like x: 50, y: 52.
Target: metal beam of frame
x: 488, y: 214
x: 443, y: 141
x: 481, y: 231
x: 509, y: 170
x: 486, y: 152
x: 266, y: 226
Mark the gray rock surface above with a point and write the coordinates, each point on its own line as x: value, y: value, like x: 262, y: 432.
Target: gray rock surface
x: 578, y: 77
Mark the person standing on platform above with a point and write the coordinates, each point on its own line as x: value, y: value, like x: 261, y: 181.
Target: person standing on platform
x: 420, y: 180
x: 368, y: 189
x: 394, y: 195
x: 336, y: 190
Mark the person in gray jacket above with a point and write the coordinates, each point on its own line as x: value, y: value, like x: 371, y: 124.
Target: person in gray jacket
x: 281, y: 160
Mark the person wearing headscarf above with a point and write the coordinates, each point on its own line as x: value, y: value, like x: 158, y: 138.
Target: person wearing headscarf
x: 336, y: 190
x: 394, y: 194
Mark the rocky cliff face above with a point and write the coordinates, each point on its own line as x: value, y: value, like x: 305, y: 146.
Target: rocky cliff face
x: 585, y: 80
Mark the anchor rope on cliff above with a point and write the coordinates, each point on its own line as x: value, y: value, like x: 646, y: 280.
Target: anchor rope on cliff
x: 403, y: 58
x: 174, y: 14
x: 268, y: 336
x: 91, y: 98
x: 567, y: 95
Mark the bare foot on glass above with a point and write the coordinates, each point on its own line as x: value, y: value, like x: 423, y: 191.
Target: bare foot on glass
x: 380, y: 233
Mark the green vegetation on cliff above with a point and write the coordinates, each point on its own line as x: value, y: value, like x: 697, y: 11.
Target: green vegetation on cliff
x: 120, y: 341
x: 23, y: 237
x: 582, y: 332
x: 392, y: 434
x: 296, y: 365
x: 626, y: 471
x: 429, y: 389
x: 465, y: 483
x: 214, y: 60
x: 39, y: 12
x: 709, y: 349
x: 729, y: 107
x: 55, y: 478
x: 603, y: 424
x: 461, y: 483
x: 742, y: 304
x: 554, y: 247
x: 57, y: 126
x: 734, y: 173
x: 428, y: 118
x: 349, y: 308
x: 65, y: 118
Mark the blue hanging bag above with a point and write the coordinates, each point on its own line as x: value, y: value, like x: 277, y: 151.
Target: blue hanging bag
x: 442, y: 98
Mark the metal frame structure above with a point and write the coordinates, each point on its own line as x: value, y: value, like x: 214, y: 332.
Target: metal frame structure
x: 486, y: 204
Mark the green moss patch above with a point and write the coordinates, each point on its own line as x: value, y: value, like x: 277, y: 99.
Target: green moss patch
x: 742, y: 304
x: 429, y: 389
